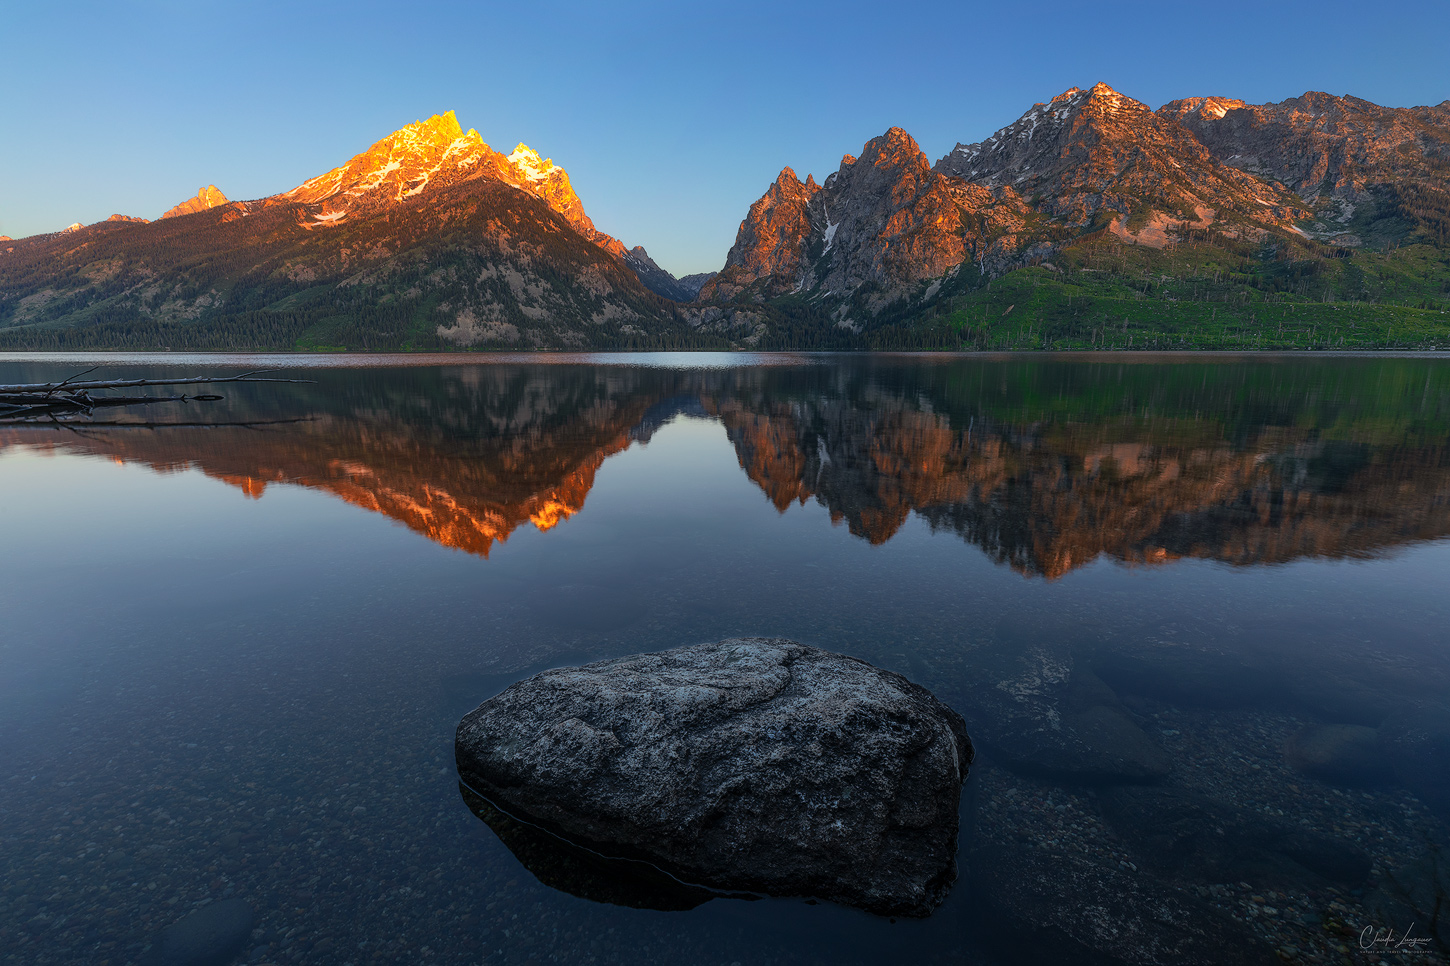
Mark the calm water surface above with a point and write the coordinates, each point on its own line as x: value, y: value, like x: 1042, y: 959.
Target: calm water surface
x: 1193, y: 609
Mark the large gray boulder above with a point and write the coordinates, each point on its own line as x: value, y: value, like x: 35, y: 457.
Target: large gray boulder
x: 752, y: 764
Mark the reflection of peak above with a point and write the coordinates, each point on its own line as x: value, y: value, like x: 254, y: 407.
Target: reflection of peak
x: 1046, y: 505
x: 656, y: 416
x: 484, y: 453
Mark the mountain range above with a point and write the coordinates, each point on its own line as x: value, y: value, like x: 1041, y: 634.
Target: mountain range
x: 1091, y: 220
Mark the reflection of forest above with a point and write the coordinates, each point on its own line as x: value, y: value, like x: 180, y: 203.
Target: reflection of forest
x: 1045, y: 466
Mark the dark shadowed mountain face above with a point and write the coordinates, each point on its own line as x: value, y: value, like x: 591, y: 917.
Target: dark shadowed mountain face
x: 661, y: 282
x: 1242, y: 463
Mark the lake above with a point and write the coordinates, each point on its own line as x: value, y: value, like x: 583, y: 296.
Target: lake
x: 1193, y: 608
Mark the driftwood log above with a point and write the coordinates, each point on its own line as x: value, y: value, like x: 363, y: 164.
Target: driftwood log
x: 70, y: 399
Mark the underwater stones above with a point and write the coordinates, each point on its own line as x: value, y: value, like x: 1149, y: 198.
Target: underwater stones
x: 1340, y: 753
x: 1415, y: 742
x: 753, y: 764
x: 1411, y: 898
x: 210, y: 936
x: 1059, y: 907
x: 1190, y: 676
x: 1176, y: 832
x: 1044, y: 716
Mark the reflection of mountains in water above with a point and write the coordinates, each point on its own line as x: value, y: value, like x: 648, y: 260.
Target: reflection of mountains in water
x: 1046, y: 467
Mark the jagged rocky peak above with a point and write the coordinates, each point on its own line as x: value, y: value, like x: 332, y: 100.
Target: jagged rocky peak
x: 429, y: 155
x: 886, y: 217
x: 1006, y: 156
x: 128, y: 218
x: 542, y: 177
x: 788, y: 186
x: 532, y: 167
x: 771, y: 241
x: 398, y: 166
x: 205, y: 198
x: 891, y: 151
x: 1093, y: 157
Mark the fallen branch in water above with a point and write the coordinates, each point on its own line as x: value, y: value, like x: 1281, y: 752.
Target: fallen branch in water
x: 73, y: 427
x: 68, y: 399
x: 66, y: 386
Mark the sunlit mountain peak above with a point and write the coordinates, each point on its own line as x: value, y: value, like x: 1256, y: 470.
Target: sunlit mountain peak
x: 528, y: 163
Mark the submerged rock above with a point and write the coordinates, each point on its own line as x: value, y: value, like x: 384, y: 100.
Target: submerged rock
x: 1044, y: 907
x: 1041, y: 714
x: 1346, y: 754
x: 1415, y: 743
x: 581, y: 872
x: 1178, y: 833
x: 752, y: 764
x: 211, y: 936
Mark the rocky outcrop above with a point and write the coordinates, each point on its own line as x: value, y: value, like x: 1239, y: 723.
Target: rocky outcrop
x: 206, y: 198
x: 128, y: 218
x: 749, y: 764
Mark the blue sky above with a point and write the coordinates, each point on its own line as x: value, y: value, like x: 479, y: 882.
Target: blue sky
x: 670, y: 118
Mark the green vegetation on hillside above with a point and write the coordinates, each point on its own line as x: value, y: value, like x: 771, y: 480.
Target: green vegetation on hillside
x: 1243, y: 297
